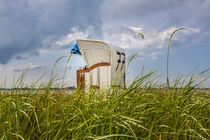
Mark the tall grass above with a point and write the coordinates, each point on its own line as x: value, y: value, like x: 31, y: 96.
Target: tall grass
x: 169, y: 45
x: 141, y: 111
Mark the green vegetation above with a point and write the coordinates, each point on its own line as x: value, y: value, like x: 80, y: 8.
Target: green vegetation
x: 169, y: 45
x: 141, y: 111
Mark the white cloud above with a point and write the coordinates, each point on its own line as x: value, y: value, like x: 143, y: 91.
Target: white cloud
x: 123, y: 36
x: 154, y: 40
x: 126, y: 39
x: 30, y: 67
x: 53, y: 43
x: 135, y: 28
x: 73, y: 35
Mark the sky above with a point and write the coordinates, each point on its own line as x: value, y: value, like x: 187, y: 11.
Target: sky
x: 35, y: 33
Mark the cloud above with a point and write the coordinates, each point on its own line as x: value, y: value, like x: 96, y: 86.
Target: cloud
x: 18, y: 70
x: 124, y: 36
x: 74, y: 34
x: 155, y: 40
x: 141, y: 55
x: 135, y: 8
x: 52, y: 44
x: 18, y: 57
x: 31, y: 67
x: 26, y: 23
x: 166, y: 12
x: 162, y: 15
x: 30, y: 27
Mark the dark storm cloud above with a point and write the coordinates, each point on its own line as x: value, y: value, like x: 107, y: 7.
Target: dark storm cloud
x: 164, y: 11
x: 25, y: 24
x: 18, y: 57
x: 141, y: 8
